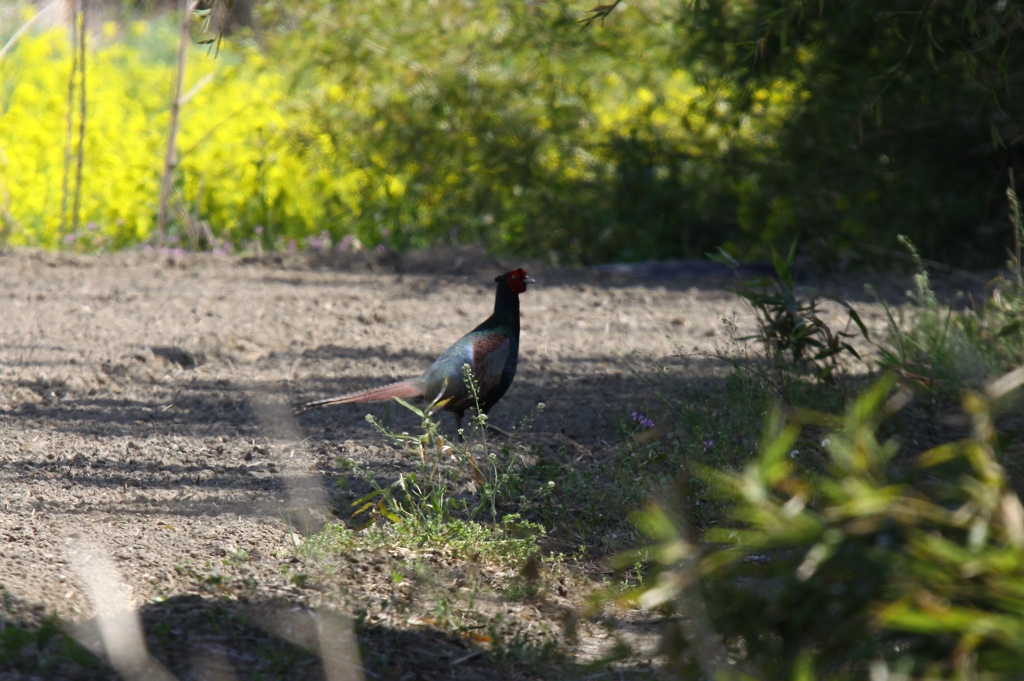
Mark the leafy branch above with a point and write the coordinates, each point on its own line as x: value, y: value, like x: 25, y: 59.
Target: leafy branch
x: 599, y: 13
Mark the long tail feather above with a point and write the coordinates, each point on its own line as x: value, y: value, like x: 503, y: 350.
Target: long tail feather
x: 403, y: 389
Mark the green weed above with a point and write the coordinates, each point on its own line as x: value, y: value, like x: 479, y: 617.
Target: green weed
x: 789, y: 329
x: 439, y: 503
x: 940, y: 347
x: 1003, y: 313
x: 45, y: 649
x: 220, y: 578
x: 933, y: 343
x: 452, y: 479
x: 515, y: 650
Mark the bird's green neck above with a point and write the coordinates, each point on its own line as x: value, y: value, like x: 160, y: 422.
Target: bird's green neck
x: 506, y: 306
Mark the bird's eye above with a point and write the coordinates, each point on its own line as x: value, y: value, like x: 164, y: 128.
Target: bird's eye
x: 515, y: 276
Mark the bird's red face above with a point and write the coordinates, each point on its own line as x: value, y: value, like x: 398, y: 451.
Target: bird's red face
x: 516, y: 280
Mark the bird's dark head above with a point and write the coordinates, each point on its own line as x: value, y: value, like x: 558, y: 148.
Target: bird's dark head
x: 516, y: 280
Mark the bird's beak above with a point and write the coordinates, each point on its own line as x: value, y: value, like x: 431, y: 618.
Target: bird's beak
x: 529, y: 280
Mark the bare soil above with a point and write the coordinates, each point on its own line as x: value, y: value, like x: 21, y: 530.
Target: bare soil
x: 146, y: 428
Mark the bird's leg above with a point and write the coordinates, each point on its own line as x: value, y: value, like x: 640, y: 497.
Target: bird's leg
x: 498, y: 431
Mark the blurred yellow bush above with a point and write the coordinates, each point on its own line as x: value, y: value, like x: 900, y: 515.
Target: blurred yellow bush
x: 494, y: 137
x: 232, y: 140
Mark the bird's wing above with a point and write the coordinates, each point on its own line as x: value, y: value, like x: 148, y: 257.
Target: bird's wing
x: 490, y: 353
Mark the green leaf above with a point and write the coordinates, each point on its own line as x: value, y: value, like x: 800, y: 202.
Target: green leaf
x: 723, y: 258
x: 1008, y: 329
x: 773, y: 465
x: 941, y: 454
x: 655, y: 523
x: 419, y: 412
x: 365, y: 507
x: 367, y: 497
x: 803, y: 668
x: 869, y: 403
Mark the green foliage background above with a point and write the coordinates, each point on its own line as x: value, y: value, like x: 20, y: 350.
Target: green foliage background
x: 913, y: 116
x: 665, y: 131
x: 507, y: 124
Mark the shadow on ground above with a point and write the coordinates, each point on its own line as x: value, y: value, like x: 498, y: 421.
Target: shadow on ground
x: 199, y: 434
x: 457, y: 263
x: 200, y: 638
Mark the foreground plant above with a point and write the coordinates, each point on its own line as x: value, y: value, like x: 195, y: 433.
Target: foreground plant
x: 844, y: 569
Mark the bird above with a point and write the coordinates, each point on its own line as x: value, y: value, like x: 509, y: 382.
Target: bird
x: 491, y: 350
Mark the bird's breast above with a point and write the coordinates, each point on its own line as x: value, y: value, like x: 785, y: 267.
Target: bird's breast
x: 490, y: 354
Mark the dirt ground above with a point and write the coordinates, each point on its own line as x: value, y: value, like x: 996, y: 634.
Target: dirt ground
x: 149, y: 458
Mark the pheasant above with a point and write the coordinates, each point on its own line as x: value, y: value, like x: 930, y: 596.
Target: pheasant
x: 491, y: 350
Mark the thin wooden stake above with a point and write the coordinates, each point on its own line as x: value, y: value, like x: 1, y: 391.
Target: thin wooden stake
x: 76, y: 211
x: 68, y: 142
x: 171, y: 158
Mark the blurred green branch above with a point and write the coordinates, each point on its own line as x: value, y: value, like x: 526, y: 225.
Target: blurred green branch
x: 599, y: 12
x: 921, y: 575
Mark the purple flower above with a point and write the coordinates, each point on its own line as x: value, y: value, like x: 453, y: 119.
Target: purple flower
x: 708, y: 444
x: 258, y: 230
x: 292, y: 246
x: 644, y: 422
x: 346, y: 243
x: 70, y: 239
